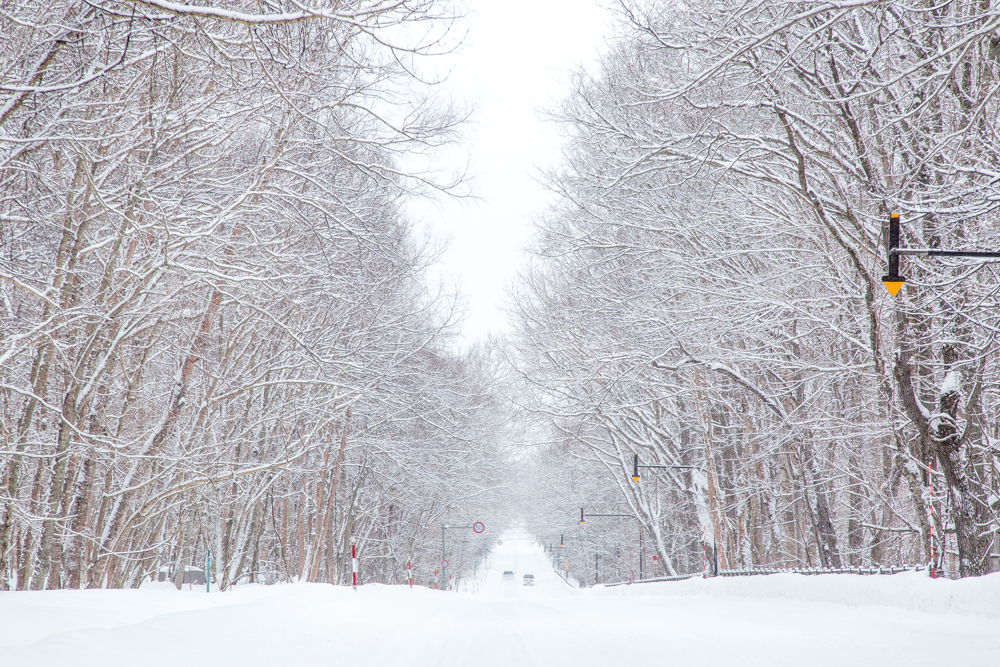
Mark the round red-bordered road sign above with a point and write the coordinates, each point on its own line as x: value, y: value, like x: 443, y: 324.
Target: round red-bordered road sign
x: 478, y: 527
x: 444, y: 563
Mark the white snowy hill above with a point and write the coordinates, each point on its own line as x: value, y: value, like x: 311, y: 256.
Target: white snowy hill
x: 904, y: 619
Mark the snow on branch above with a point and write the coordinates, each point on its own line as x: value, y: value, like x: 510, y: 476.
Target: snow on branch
x: 305, y: 13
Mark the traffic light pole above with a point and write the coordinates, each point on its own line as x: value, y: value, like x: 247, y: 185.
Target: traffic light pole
x: 893, y: 280
x: 635, y: 478
x: 636, y: 466
x: 629, y: 516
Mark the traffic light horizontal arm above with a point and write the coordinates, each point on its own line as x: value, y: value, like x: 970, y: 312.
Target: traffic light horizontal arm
x: 679, y: 467
x: 944, y: 253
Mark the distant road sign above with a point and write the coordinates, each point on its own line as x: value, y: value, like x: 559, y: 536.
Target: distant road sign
x: 478, y: 527
x: 444, y: 563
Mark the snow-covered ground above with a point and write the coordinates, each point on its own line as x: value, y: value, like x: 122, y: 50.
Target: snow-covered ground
x: 841, y: 620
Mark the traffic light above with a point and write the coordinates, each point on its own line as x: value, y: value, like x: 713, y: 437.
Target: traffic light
x: 581, y: 516
x: 635, y: 468
x: 893, y: 282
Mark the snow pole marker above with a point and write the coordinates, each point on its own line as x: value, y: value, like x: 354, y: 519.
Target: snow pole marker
x: 409, y: 570
x: 435, y: 579
x: 354, y: 564
x: 930, y: 507
x: 208, y: 558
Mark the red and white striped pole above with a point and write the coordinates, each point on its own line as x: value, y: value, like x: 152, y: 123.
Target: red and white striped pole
x: 409, y: 570
x: 930, y: 507
x: 435, y: 579
x: 354, y: 564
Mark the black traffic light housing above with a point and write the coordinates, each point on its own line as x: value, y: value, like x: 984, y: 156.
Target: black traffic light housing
x: 893, y: 282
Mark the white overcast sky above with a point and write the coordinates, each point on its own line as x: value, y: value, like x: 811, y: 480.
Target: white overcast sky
x: 515, y: 62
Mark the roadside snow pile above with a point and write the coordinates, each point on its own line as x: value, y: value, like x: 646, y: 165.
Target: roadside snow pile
x: 916, y: 591
x: 27, y: 616
x: 781, y: 620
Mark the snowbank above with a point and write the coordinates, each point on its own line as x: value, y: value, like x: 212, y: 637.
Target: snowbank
x: 783, y: 620
x: 916, y: 591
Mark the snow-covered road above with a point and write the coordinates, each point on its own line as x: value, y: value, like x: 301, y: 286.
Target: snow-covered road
x: 778, y: 620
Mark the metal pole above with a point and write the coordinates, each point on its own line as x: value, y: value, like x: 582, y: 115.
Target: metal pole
x: 597, y: 575
x: 893, y: 245
x: 930, y: 252
x: 640, y: 552
x: 208, y: 560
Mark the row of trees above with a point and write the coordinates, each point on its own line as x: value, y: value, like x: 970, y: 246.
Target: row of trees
x: 707, y: 293
x: 215, y: 332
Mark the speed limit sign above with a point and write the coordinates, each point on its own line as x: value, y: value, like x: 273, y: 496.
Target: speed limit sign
x: 478, y: 527
x: 444, y: 563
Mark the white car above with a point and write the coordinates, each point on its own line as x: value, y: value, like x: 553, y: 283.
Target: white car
x: 508, y: 574
x: 529, y: 580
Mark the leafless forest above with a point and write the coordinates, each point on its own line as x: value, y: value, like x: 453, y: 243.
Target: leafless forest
x: 217, y: 334
x: 709, y: 292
